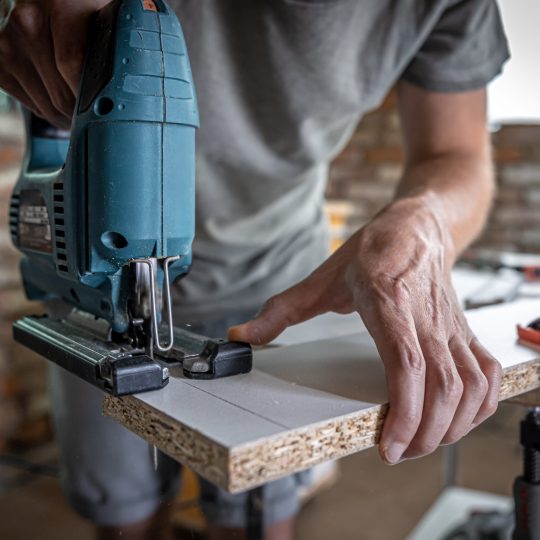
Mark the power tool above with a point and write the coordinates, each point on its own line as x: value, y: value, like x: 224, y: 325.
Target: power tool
x: 105, y: 214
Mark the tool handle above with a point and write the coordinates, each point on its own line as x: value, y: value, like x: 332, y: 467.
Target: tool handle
x: 46, y: 145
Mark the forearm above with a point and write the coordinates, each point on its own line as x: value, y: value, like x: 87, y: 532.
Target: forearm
x: 456, y: 188
x: 448, y: 159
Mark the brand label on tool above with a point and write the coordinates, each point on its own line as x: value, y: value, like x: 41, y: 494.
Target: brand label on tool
x: 148, y: 5
x: 34, y: 223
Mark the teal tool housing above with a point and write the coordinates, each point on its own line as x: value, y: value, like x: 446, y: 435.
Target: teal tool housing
x: 123, y: 186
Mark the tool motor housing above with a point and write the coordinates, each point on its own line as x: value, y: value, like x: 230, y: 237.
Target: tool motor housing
x: 123, y: 186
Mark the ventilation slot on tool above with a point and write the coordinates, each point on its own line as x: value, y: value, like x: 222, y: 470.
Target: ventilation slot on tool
x: 59, y: 230
x: 14, y: 218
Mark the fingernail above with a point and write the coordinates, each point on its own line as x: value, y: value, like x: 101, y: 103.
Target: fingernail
x: 393, y: 452
x: 235, y: 332
x: 240, y: 333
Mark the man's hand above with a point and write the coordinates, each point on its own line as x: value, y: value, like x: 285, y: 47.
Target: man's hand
x: 42, y: 54
x: 395, y: 272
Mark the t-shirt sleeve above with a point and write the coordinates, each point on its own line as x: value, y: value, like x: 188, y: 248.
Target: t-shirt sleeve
x: 465, y: 50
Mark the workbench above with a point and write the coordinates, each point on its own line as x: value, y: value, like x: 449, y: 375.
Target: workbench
x: 318, y: 394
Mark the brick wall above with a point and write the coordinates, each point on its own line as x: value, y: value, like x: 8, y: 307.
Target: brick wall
x: 363, y: 179
x: 365, y: 175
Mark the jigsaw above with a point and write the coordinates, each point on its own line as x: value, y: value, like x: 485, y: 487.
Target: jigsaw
x: 104, y: 215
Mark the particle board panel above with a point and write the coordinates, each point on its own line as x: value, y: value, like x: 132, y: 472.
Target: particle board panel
x: 302, y: 404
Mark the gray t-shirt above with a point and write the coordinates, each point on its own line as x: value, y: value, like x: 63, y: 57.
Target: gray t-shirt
x: 281, y: 86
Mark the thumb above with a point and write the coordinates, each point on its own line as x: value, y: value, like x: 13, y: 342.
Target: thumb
x: 293, y: 306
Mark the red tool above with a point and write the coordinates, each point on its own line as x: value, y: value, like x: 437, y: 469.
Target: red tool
x: 530, y: 334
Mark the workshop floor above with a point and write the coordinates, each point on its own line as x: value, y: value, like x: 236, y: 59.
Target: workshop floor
x: 370, y: 501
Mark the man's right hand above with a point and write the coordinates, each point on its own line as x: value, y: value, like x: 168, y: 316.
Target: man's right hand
x: 42, y: 53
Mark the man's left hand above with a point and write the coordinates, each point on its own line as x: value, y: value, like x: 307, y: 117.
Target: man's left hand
x: 395, y: 272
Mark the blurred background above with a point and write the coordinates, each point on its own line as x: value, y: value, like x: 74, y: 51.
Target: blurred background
x: 363, y: 179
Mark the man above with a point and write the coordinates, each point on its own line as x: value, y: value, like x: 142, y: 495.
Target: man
x: 281, y: 85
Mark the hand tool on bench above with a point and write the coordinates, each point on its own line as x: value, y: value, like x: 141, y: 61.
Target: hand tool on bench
x: 105, y: 215
x: 527, y: 264
x: 511, y: 273
x: 530, y: 335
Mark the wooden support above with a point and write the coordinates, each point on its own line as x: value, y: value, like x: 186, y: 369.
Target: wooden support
x: 303, y: 404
